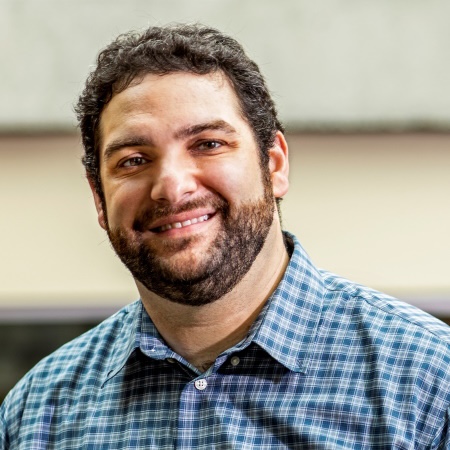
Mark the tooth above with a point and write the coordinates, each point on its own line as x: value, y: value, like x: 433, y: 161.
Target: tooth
x: 177, y: 225
x: 194, y: 220
x: 186, y: 223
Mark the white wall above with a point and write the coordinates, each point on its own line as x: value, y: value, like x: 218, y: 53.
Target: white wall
x: 375, y: 209
x: 331, y: 62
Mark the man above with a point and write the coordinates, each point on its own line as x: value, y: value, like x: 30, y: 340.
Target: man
x: 238, y: 341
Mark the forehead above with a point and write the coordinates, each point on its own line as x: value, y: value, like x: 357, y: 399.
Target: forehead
x: 170, y: 101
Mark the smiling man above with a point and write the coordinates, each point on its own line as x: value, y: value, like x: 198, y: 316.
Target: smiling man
x: 237, y: 341
x: 185, y: 199
x: 190, y: 209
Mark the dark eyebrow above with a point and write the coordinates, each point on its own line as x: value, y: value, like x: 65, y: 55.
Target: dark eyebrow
x: 141, y: 141
x: 118, y: 144
x: 219, y: 125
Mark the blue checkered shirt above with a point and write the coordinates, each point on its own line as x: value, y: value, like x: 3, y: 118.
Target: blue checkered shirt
x: 327, y: 365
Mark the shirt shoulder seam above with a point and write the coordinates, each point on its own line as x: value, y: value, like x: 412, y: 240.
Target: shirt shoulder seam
x: 369, y: 297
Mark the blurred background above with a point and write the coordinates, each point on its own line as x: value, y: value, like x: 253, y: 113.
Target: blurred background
x: 361, y: 86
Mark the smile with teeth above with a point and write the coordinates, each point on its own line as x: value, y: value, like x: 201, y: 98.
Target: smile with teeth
x: 185, y: 223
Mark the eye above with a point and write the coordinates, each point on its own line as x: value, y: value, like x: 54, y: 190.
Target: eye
x: 209, y: 145
x: 135, y: 161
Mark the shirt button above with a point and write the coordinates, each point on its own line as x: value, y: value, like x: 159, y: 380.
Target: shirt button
x: 235, y: 360
x: 200, y: 384
x: 170, y: 360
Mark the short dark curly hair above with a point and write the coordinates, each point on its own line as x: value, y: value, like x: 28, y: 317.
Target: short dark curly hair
x: 193, y: 48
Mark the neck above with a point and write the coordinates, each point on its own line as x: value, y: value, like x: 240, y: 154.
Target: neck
x: 201, y: 333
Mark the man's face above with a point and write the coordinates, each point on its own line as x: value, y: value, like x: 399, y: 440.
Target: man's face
x: 186, y: 204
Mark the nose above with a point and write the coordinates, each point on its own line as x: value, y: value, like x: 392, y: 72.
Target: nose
x: 174, y: 181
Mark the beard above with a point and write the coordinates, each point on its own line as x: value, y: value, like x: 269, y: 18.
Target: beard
x: 240, y: 238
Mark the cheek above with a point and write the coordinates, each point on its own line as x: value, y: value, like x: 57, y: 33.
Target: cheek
x: 236, y: 180
x: 123, y: 200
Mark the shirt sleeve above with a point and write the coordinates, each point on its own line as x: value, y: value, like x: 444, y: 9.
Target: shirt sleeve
x: 4, y: 440
x: 11, y: 411
x: 442, y: 439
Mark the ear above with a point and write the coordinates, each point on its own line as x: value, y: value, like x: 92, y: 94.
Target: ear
x: 98, y: 204
x: 279, y: 166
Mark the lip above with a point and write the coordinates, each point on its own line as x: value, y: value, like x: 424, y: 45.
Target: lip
x: 197, y: 216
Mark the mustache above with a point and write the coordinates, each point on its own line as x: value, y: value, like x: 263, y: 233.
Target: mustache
x: 144, y: 220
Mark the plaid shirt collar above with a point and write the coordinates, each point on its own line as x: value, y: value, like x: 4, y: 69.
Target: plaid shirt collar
x: 285, y: 328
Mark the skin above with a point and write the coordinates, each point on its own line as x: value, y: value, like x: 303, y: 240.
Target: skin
x: 167, y: 140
